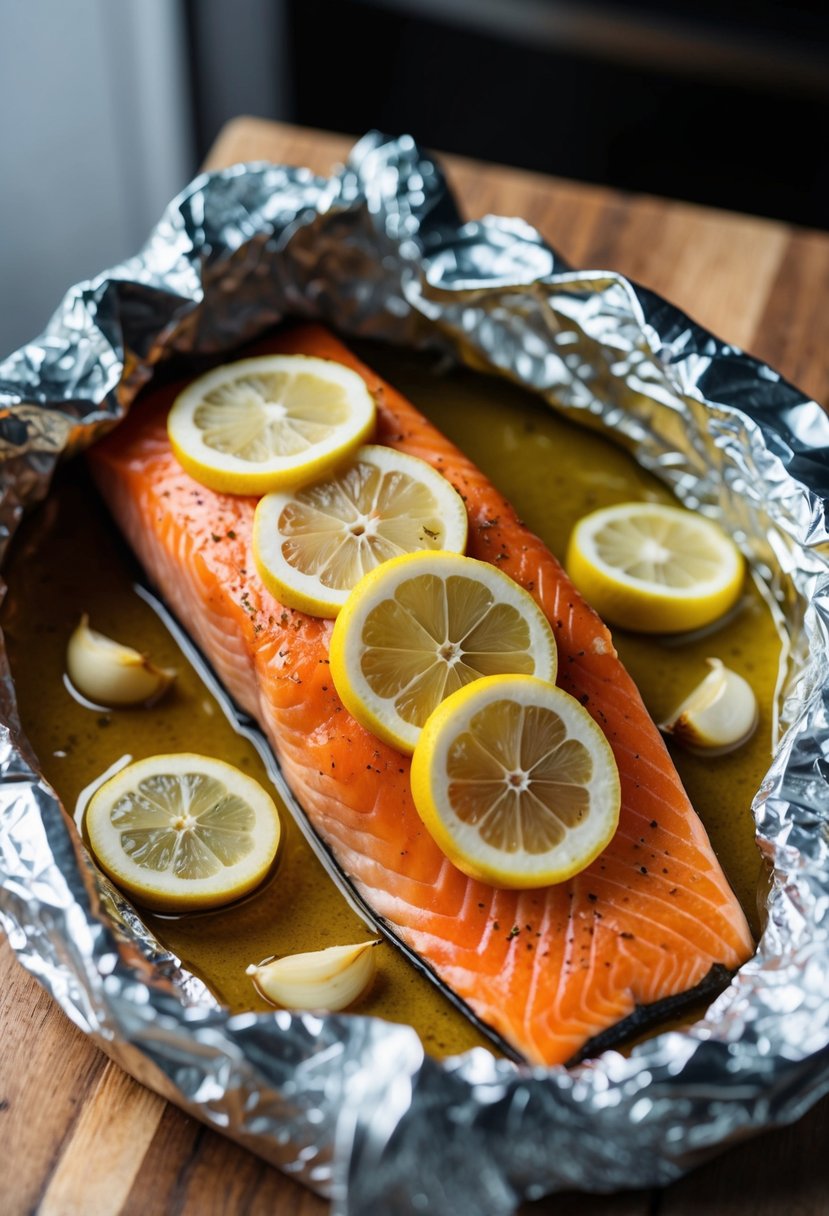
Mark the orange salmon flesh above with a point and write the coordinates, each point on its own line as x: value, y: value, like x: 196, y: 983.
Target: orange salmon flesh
x: 547, y: 970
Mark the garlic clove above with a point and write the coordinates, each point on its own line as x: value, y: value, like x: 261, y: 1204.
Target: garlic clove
x: 330, y: 979
x: 718, y: 716
x: 110, y: 674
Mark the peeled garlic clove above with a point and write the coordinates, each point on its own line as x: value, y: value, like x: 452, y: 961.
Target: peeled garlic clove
x: 719, y: 715
x: 328, y: 979
x: 110, y: 674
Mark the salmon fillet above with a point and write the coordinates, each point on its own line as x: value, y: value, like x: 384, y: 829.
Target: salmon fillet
x: 547, y: 970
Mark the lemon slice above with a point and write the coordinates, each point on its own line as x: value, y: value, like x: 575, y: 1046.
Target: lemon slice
x: 653, y: 568
x: 516, y: 783
x: 314, y: 544
x: 263, y: 424
x: 423, y: 625
x: 183, y: 832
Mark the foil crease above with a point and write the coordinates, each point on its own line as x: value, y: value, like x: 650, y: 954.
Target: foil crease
x: 350, y: 1105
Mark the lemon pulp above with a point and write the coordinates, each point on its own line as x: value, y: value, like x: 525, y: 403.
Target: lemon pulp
x: 654, y: 568
x: 183, y: 831
x: 516, y: 782
x: 424, y: 625
x: 260, y: 424
x: 312, y: 545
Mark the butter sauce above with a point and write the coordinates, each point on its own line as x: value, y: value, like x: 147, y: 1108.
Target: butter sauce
x: 68, y: 559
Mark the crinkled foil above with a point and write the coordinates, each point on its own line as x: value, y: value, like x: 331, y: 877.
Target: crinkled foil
x: 350, y: 1105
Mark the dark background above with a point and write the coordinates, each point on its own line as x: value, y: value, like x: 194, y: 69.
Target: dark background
x: 721, y: 103
x: 107, y: 107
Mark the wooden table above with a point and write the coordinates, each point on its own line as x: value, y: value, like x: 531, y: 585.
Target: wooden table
x: 78, y: 1136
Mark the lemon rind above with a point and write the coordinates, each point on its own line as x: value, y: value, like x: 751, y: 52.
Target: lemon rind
x: 645, y: 607
x: 199, y: 894
x: 298, y: 591
x: 227, y: 473
x: 369, y: 710
x: 428, y: 762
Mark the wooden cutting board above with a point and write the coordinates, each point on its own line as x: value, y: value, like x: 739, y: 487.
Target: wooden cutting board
x: 78, y: 1136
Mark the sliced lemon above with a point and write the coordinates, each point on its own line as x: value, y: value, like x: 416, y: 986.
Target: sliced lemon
x: 423, y: 625
x: 654, y: 569
x: 314, y: 544
x: 183, y: 832
x: 515, y: 782
x: 263, y: 424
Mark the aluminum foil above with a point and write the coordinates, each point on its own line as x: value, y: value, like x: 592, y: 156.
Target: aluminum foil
x: 350, y: 1105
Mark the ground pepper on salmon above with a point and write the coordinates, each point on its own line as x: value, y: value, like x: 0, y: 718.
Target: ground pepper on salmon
x: 548, y: 970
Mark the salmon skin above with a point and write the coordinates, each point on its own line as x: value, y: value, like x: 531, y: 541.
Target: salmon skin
x: 549, y: 970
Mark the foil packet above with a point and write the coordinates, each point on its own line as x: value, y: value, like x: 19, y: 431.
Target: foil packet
x: 352, y: 1106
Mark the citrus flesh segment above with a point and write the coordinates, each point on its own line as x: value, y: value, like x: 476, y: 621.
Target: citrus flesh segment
x: 515, y: 782
x: 263, y: 424
x: 654, y: 568
x: 423, y: 625
x: 183, y: 832
x: 312, y: 545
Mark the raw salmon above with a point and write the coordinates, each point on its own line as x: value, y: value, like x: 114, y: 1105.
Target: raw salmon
x: 547, y: 970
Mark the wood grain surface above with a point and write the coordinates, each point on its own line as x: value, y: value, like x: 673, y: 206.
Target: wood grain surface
x: 80, y: 1138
